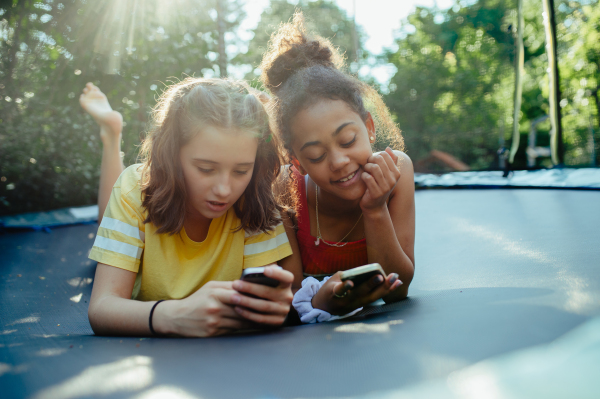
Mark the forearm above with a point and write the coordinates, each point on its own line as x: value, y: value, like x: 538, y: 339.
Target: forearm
x: 110, y: 169
x: 384, y: 248
x: 111, y: 315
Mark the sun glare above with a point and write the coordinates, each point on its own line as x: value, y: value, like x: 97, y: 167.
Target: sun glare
x: 127, y: 27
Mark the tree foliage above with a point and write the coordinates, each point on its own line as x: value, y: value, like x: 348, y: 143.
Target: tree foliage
x: 453, y: 90
x: 49, y: 148
x: 323, y: 17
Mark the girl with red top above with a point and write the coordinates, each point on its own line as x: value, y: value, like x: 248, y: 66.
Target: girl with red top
x: 322, y: 258
x: 352, y: 206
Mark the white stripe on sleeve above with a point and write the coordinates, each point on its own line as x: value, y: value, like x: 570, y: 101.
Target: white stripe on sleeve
x: 121, y: 227
x: 265, y: 246
x: 118, y: 247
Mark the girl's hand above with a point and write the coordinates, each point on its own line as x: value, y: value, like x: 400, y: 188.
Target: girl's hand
x: 380, y: 174
x: 338, y: 298
x: 271, y: 304
x: 207, y: 312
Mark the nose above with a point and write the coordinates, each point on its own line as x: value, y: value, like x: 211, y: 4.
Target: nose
x: 338, y: 160
x: 222, y: 187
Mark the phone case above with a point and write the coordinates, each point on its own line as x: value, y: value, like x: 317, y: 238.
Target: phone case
x: 360, y: 274
x: 259, y: 278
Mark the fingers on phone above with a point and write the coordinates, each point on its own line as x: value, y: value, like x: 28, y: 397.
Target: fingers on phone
x: 366, y: 288
x: 263, y: 306
x: 276, y: 294
x: 220, y: 318
x: 278, y: 273
x: 221, y: 305
x: 376, y: 280
x: 396, y: 284
x: 342, y: 288
x: 272, y: 319
x: 393, y: 282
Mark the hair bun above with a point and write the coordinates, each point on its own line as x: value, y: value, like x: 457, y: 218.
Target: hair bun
x: 291, y: 48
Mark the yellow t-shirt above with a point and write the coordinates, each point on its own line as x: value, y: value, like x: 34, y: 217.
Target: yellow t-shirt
x: 174, y: 266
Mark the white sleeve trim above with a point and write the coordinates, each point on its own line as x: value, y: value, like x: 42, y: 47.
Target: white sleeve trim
x: 121, y: 227
x: 265, y: 246
x: 118, y: 247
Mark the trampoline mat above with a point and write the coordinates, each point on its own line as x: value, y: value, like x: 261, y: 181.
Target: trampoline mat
x: 497, y: 271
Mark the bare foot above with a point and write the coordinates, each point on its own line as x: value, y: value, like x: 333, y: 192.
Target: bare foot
x: 95, y: 103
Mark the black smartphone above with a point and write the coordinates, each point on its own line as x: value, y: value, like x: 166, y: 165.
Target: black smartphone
x: 360, y: 274
x: 256, y: 275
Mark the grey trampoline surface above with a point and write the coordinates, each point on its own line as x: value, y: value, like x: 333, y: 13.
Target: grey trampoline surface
x: 509, y: 277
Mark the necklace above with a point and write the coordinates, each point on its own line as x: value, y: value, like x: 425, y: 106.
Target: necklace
x: 319, y: 237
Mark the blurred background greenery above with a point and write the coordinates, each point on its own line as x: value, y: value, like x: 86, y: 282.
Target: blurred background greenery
x: 451, y: 86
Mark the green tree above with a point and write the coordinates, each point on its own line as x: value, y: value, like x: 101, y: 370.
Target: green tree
x: 322, y: 16
x: 49, y: 148
x: 579, y: 64
x: 454, y: 85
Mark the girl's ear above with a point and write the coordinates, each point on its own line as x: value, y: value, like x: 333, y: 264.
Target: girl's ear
x: 297, y: 165
x: 370, y: 124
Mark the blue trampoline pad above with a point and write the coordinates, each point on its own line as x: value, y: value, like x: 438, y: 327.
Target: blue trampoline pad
x: 504, y: 279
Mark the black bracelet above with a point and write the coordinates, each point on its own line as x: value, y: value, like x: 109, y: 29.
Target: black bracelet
x: 150, y: 318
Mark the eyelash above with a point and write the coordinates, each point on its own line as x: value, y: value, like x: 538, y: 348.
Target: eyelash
x: 316, y: 160
x: 346, y: 145
x: 239, y: 172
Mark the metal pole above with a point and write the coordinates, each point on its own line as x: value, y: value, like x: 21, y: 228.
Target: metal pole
x: 519, y: 72
x: 556, y: 139
x: 221, y: 41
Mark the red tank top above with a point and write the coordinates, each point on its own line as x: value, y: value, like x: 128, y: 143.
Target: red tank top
x: 322, y: 259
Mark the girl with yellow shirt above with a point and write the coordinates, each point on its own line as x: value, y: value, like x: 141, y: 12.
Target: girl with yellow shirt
x: 180, y: 227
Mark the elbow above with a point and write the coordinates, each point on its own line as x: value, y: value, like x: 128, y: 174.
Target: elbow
x: 95, y: 317
x: 94, y: 322
x: 409, y: 276
x: 406, y: 282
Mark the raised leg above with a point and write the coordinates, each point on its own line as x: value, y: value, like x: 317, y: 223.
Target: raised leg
x: 95, y: 103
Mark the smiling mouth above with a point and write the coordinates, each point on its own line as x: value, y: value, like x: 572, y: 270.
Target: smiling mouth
x: 349, y: 177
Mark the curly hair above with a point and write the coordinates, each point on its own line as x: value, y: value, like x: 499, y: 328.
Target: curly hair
x: 179, y: 115
x: 300, y: 69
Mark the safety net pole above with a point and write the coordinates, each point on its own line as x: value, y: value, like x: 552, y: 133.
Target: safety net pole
x: 556, y: 139
x: 519, y: 70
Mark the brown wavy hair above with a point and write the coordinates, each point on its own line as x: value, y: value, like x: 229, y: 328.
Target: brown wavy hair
x: 300, y: 69
x: 181, y: 112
